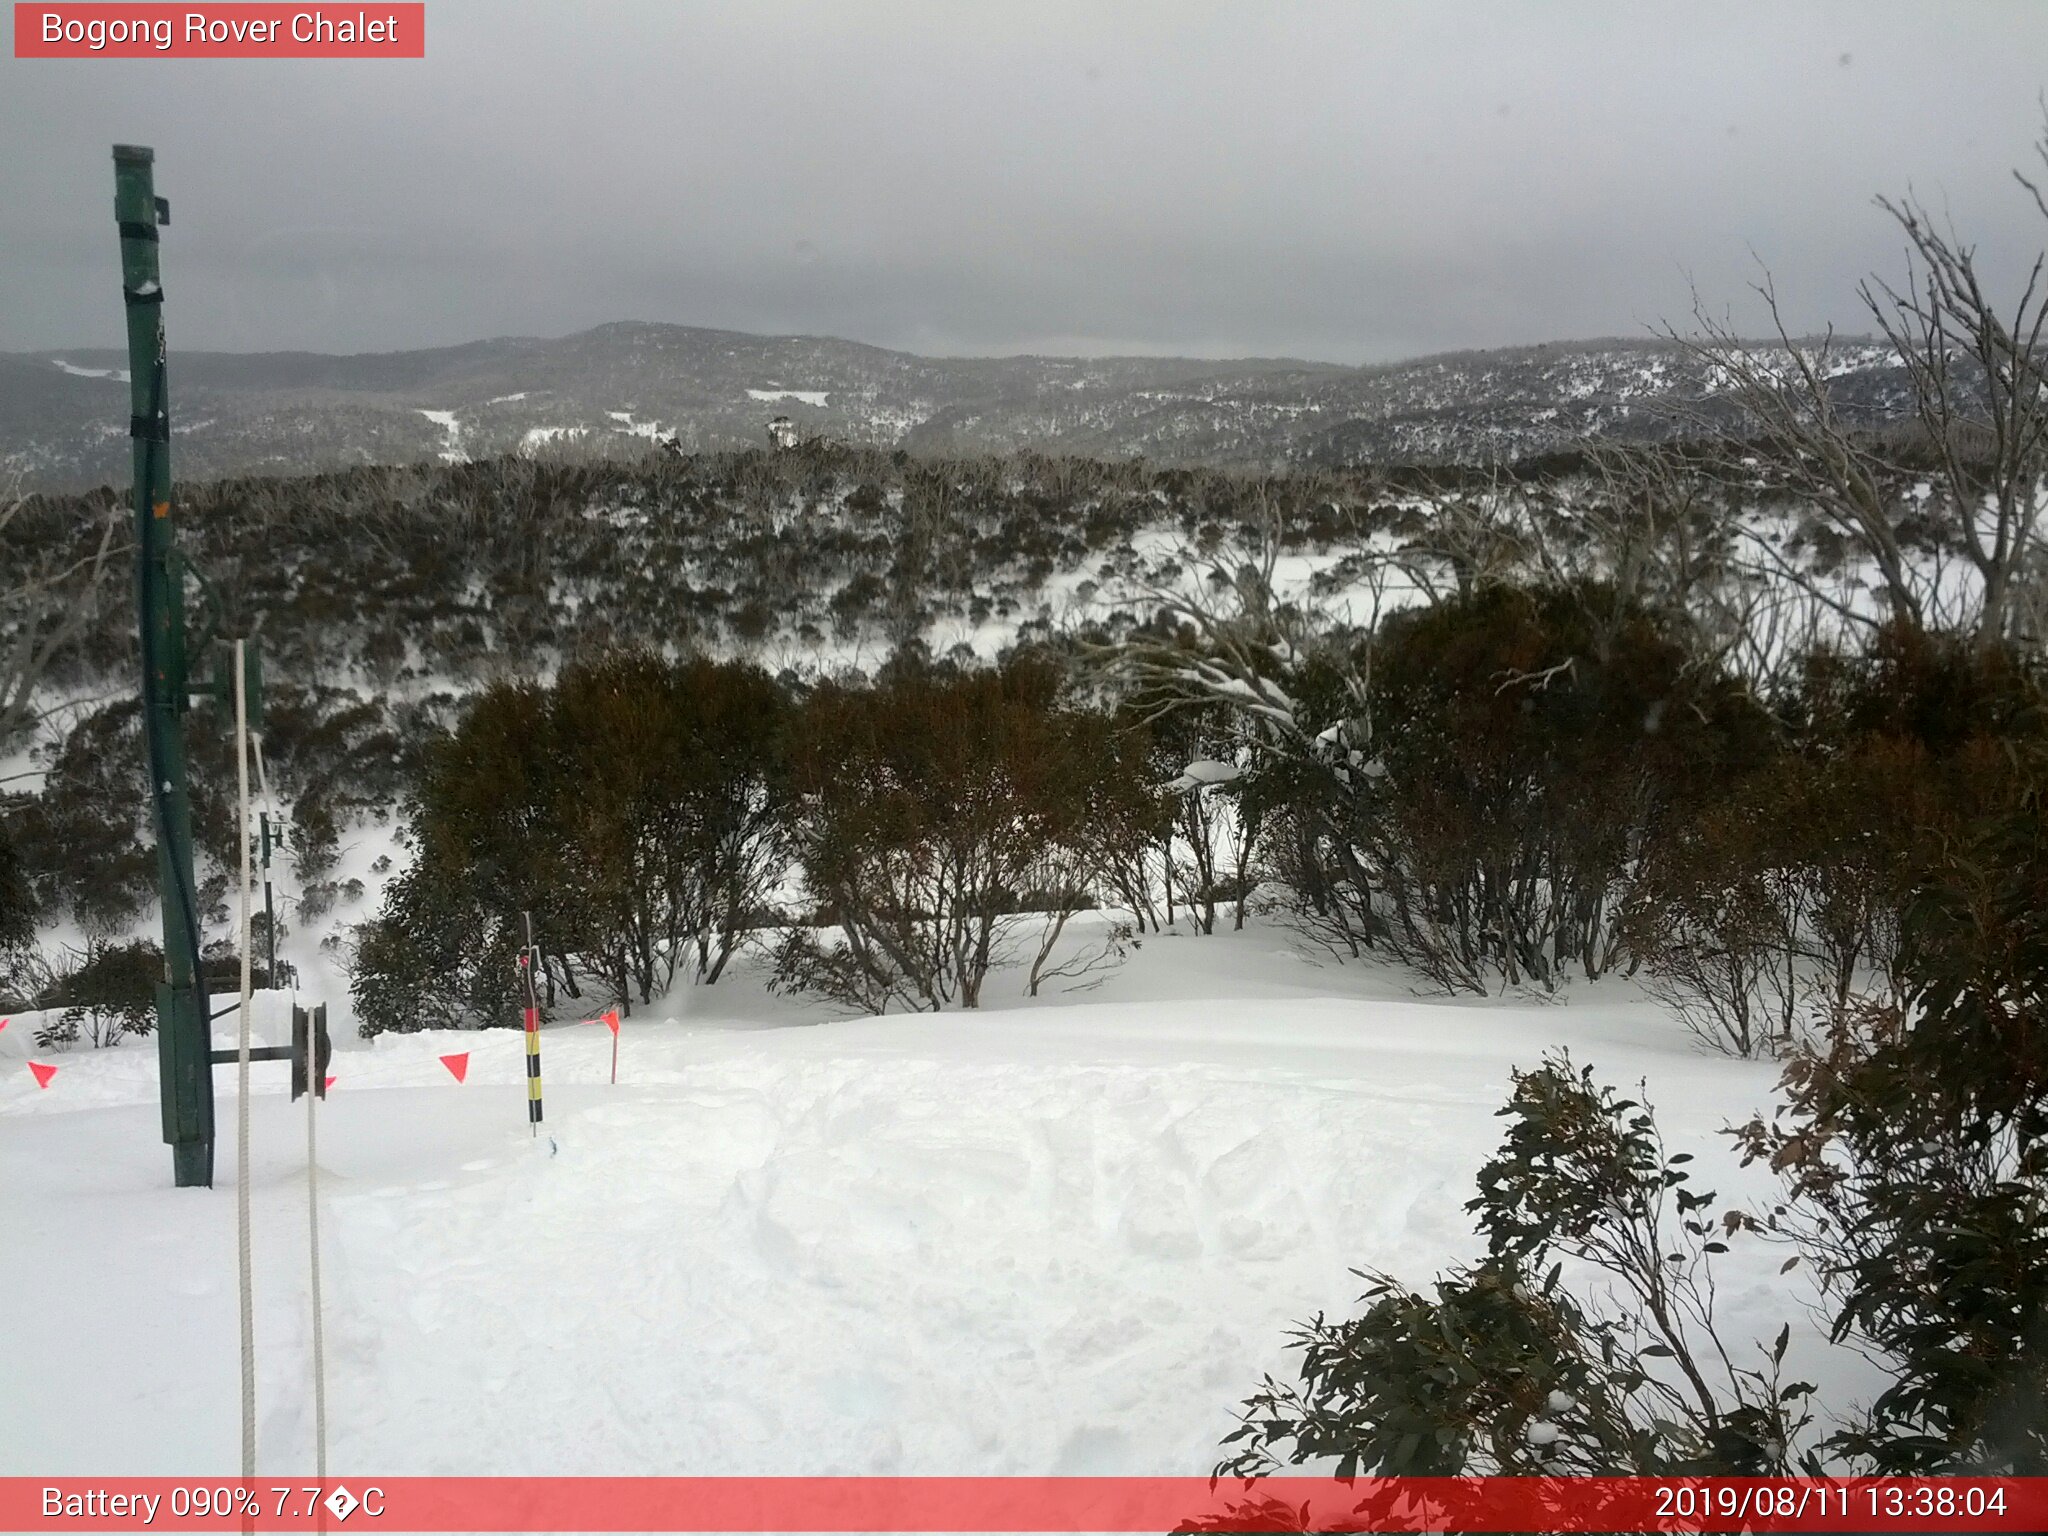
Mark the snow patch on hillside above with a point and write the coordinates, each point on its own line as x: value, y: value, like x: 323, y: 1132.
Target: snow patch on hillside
x: 451, y: 451
x: 807, y: 396
x: 534, y: 437
x: 90, y: 373
x: 647, y: 429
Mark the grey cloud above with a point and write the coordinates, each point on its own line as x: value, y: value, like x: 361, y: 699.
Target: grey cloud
x: 1345, y: 181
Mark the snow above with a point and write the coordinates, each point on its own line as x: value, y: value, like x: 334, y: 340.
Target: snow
x: 451, y: 451
x: 1061, y: 1236
x: 807, y: 396
x: 536, y: 436
x: 91, y: 373
x: 627, y: 423
x: 1205, y: 771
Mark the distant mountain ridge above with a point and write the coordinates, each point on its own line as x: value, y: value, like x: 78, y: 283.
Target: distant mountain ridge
x: 63, y: 415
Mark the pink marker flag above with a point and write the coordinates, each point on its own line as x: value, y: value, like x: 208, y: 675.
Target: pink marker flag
x: 457, y: 1065
x: 611, y: 1020
x: 43, y: 1073
x: 330, y: 1081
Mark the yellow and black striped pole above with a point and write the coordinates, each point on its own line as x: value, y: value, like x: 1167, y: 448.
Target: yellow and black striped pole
x: 528, y: 958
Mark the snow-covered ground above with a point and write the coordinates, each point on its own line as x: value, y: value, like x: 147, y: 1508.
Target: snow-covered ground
x: 815, y: 397
x: 452, y: 451
x: 1062, y: 1236
x: 627, y: 423
x: 537, y: 436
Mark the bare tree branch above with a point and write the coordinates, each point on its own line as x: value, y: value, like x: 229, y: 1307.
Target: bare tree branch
x: 45, y: 606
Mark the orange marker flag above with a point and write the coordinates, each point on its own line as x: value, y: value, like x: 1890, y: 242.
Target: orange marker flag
x: 43, y: 1073
x: 457, y: 1065
x: 611, y: 1019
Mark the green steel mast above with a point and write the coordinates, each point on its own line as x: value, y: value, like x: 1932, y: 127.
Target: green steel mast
x: 184, y: 1054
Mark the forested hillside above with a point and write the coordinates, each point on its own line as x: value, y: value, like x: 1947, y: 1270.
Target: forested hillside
x: 607, y: 391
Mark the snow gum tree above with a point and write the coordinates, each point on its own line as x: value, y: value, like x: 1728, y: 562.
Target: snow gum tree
x: 51, y: 596
x: 1976, y: 362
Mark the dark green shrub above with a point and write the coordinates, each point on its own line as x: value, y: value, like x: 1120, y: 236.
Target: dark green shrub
x: 1520, y: 749
x: 925, y: 807
x: 633, y: 809
x: 1915, y: 1141
x: 1508, y: 1367
x: 107, y: 993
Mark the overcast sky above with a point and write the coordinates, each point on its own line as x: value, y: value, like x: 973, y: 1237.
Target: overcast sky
x: 1349, y: 181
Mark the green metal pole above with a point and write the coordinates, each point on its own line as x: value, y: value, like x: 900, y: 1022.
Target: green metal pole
x: 269, y: 915
x: 183, y: 1036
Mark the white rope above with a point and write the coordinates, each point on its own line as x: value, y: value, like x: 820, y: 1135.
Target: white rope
x: 248, y: 1309
x: 313, y: 1229
x: 313, y: 1095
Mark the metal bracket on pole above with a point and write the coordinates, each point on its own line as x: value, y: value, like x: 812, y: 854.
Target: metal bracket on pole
x: 221, y: 686
x: 310, y: 1052
x: 309, y: 1042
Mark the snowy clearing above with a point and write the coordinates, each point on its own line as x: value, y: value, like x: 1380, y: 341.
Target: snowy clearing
x: 815, y: 397
x: 452, y: 450
x: 629, y: 424
x: 536, y: 437
x: 90, y: 373
x: 1063, y: 1237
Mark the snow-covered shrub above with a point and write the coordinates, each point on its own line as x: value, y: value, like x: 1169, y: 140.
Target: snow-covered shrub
x: 1213, y: 828
x: 433, y: 958
x: 81, y: 843
x: 672, y: 812
x: 1762, y: 912
x: 17, y: 902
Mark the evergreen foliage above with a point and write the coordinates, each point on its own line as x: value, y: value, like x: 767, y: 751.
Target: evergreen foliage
x: 935, y: 815
x: 631, y: 809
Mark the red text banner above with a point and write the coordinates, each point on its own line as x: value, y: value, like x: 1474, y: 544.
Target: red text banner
x: 1014, y: 1504
x: 217, y: 31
